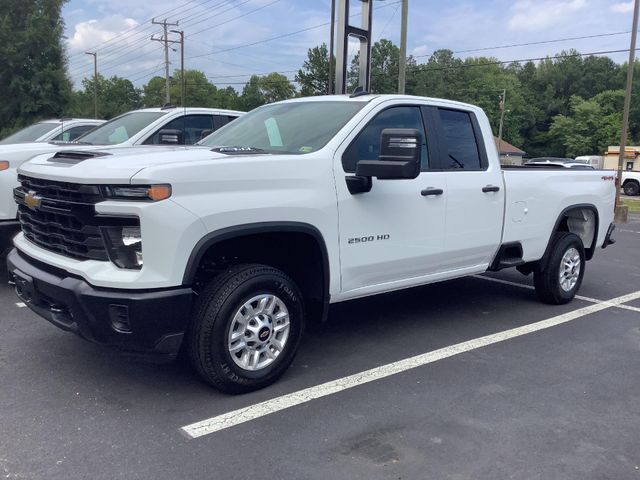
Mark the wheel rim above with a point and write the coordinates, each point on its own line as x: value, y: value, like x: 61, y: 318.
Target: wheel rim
x: 259, y: 332
x: 570, y: 269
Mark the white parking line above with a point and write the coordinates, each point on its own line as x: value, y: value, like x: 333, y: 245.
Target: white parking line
x: 530, y: 287
x: 252, y: 412
x: 21, y: 305
x: 578, y: 297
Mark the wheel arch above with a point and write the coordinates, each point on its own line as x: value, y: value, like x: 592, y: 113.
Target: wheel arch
x: 292, y: 235
x: 570, y: 220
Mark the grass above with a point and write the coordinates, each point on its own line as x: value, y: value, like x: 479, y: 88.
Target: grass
x: 633, y: 204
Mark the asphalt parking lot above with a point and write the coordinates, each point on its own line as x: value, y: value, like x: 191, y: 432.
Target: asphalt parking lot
x: 548, y: 400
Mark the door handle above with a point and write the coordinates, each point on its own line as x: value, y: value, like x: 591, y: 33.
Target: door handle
x: 430, y: 192
x: 490, y: 188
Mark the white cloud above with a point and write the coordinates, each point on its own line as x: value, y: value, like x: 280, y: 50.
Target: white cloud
x: 531, y: 15
x: 420, y: 51
x: 94, y: 32
x: 622, y: 7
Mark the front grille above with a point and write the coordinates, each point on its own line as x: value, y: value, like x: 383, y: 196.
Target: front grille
x: 72, y: 192
x: 61, y: 217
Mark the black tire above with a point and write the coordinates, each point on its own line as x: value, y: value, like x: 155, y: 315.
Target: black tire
x: 631, y: 188
x: 212, y: 319
x: 546, y: 278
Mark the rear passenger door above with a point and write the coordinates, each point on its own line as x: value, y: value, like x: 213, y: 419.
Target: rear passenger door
x: 475, y: 189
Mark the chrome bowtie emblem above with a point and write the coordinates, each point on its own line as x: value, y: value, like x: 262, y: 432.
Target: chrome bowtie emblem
x: 32, y: 200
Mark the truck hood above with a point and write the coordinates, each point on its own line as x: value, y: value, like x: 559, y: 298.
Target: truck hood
x: 115, y: 165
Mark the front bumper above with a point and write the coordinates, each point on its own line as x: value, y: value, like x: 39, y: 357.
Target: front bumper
x: 147, y: 323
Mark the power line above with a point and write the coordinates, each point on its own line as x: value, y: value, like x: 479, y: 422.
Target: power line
x: 232, y: 19
x: 140, y: 38
x: 95, y: 47
x: 505, y: 62
x: 541, y: 42
x: 277, y: 37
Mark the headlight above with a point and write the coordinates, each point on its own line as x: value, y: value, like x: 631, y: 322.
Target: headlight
x: 4, y: 165
x: 124, y: 245
x: 137, y: 192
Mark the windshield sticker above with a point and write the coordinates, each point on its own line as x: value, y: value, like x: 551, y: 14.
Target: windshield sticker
x: 306, y: 149
x: 274, y: 132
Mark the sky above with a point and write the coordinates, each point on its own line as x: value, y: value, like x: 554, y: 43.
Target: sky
x: 231, y: 39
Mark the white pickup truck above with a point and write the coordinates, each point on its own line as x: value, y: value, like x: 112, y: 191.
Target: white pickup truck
x: 149, y: 126
x: 226, y: 249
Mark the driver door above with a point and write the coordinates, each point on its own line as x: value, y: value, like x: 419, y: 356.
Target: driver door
x: 394, y: 233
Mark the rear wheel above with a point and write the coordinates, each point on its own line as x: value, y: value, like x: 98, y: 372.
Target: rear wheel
x: 559, y: 279
x: 631, y: 188
x: 246, y: 328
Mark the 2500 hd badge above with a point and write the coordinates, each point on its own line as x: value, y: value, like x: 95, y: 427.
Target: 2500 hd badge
x: 371, y: 238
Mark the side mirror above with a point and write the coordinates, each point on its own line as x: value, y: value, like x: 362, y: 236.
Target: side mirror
x: 171, y: 137
x: 400, y: 156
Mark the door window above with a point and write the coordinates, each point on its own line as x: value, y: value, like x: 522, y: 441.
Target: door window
x: 366, y: 146
x: 72, y: 133
x: 460, y: 148
x: 194, y: 128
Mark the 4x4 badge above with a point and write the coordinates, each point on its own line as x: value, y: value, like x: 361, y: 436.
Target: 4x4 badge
x: 32, y: 200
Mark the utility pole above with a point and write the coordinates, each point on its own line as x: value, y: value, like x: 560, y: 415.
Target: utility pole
x: 165, y: 40
x: 183, y: 89
x: 402, y: 74
x: 503, y: 107
x: 627, y: 104
x: 331, y: 47
x: 95, y: 82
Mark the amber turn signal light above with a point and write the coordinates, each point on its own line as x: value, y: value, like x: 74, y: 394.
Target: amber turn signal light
x: 159, y: 192
x: 4, y: 165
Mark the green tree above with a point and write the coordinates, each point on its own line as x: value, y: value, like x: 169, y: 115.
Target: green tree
x: 154, y: 92
x: 116, y: 95
x: 33, y: 78
x: 385, y: 58
x: 313, y: 77
x: 260, y: 90
x: 590, y: 126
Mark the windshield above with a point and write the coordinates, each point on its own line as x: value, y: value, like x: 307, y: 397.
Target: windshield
x: 30, y: 134
x: 120, y: 129
x: 296, y: 127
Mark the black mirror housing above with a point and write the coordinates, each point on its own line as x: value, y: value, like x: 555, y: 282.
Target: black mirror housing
x: 170, y: 137
x: 400, y: 156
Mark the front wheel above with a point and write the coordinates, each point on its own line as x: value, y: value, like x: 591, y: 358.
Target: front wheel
x: 559, y: 279
x: 246, y: 328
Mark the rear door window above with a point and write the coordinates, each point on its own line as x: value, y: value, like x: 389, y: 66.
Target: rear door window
x: 459, y: 145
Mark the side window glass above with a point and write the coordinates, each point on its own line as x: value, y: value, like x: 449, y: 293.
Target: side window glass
x: 192, y: 126
x: 460, y: 151
x: 77, y: 132
x: 366, y: 146
x: 72, y: 133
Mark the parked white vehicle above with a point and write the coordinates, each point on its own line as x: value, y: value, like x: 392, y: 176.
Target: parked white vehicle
x: 229, y: 248
x: 559, y: 162
x: 596, y: 161
x: 55, y: 130
x: 149, y: 126
x: 631, y: 182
